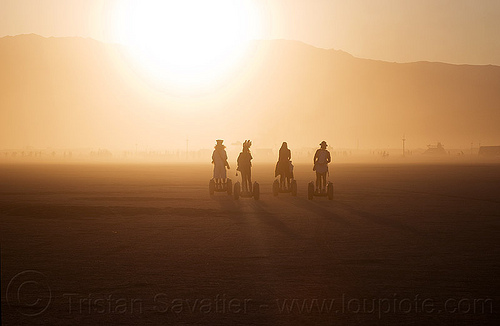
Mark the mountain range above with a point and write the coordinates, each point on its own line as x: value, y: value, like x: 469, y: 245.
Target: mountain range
x: 77, y: 92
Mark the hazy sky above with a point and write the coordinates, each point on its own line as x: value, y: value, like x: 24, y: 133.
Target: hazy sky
x: 455, y: 31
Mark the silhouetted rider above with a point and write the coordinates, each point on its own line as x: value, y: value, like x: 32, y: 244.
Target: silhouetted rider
x: 321, y: 159
x: 284, y: 166
x: 245, y: 166
x: 219, y: 160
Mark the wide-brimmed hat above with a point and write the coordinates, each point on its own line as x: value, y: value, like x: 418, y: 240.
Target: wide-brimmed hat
x: 323, y: 143
x: 219, y: 141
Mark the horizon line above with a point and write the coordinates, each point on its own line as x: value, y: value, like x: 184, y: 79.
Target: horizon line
x: 259, y: 40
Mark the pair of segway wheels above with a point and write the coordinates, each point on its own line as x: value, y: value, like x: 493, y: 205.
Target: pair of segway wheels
x: 311, y: 192
x: 255, y: 193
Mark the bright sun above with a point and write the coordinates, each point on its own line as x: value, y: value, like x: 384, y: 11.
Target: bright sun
x: 185, y: 43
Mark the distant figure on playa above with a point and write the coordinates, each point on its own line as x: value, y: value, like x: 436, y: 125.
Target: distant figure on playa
x: 321, y: 159
x: 245, y: 166
x: 219, y: 160
x: 284, y: 167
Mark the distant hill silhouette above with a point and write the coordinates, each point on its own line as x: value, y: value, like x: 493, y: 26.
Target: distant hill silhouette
x: 80, y: 92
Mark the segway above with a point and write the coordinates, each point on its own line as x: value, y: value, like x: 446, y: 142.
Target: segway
x: 311, y: 192
x: 238, y: 192
x: 279, y: 188
x: 223, y: 186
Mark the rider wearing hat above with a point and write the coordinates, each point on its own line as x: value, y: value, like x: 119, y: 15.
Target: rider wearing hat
x: 219, y: 160
x: 321, y: 159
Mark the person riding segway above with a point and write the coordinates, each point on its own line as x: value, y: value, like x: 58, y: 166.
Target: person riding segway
x: 284, y: 169
x: 246, y: 189
x: 321, y: 159
x: 220, y: 182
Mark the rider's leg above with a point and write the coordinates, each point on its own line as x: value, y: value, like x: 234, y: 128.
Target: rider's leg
x: 324, y: 182
x: 243, y: 181
x: 249, y: 176
x: 318, y: 181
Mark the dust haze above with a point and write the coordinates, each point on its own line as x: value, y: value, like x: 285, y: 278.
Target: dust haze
x: 83, y: 96
x: 112, y: 213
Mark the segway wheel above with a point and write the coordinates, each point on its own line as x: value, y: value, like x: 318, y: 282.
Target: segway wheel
x: 276, y: 187
x: 229, y: 187
x: 293, y: 186
x: 237, y: 190
x: 330, y: 190
x: 310, y: 190
x: 211, y: 187
x: 256, y: 191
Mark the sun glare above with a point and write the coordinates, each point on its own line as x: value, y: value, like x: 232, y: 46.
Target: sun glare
x: 184, y: 43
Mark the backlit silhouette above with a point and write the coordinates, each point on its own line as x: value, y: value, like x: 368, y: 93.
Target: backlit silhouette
x: 284, y: 169
x: 284, y: 166
x: 321, y: 159
x: 245, y: 166
x: 219, y: 160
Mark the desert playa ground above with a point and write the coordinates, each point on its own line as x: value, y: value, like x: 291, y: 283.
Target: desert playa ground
x: 146, y: 244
